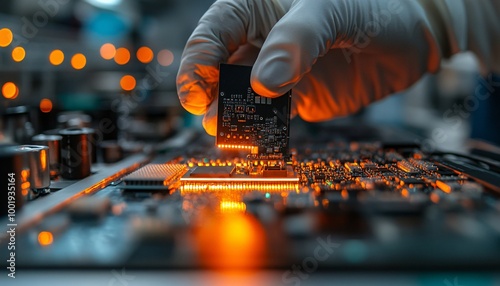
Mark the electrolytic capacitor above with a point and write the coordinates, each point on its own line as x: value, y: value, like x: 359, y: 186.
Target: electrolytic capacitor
x: 37, y: 158
x: 75, y: 154
x: 54, y: 144
x: 15, y: 179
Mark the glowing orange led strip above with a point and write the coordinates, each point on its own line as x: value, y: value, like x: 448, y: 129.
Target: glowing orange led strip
x: 230, y: 146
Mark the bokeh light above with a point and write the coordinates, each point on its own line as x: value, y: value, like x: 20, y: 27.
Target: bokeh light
x: 127, y: 82
x: 10, y: 90
x: 145, y: 55
x: 165, y: 57
x: 78, y: 61
x: 122, y: 56
x: 218, y: 238
x: 45, y: 105
x: 56, y: 57
x: 108, y: 51
x: 45, y: 238
x: 6, y: 37
x: 18, y: 54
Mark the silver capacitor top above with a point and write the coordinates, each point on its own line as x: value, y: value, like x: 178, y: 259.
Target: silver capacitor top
x: 37, y: 158
x: 54, y: 144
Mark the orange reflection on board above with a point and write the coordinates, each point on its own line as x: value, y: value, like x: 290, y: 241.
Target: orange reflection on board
x: 231, y: 241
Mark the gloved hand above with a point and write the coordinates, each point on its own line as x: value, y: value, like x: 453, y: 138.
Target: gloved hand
x: 337, y: 55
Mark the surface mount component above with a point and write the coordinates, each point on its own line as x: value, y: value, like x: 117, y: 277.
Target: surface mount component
x: 246, y: 120
x: 154, y: 177
x: 238, y: 178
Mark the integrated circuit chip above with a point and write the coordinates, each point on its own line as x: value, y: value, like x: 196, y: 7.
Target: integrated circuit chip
x: 246, y: 120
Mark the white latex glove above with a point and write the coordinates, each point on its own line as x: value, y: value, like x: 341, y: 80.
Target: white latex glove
x: 337, y: 55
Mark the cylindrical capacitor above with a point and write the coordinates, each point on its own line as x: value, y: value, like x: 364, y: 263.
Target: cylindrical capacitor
x: 92, y: 143
x: 111, y: 151
x: 54, y: 144
x: 17, y: 124
x: 75, y: 156
x: 37, y: 158
x: 14, y: 184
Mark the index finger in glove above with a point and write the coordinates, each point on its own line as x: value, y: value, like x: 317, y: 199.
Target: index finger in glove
x: 221, y: 31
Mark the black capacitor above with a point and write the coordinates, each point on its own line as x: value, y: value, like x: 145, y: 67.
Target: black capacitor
x: 14, y: 179
x: 111, y: 151
x: 92, y: 143
x: 75, y: 153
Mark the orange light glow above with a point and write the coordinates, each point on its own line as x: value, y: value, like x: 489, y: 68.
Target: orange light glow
x: 443, y: 186
x: 25, y: 186
x: 122, y: 56
x: 405, y: 193
x: 43, y: 159
x: 232, y: 207
x: 165, y: 58
x: 108, y: 51
x: 127, y: 82
x: 232, y: 241
x: 45, y: 238
x: 145, y: 55
x: 10, y: 90
x: 78, y: 61
x: 435, y: 198
x: 344, y: 194
x: 6, y: 37
x: 24, y: 175
x: 18, y: 54
x: 189, y: 187
x: 45, y: 105
x: 56, y: 57
x: 229, y: 146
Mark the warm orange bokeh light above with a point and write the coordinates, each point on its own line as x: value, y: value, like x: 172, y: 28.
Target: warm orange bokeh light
x: 56, y: 57
x: 122, y: 56
x: 45, y: 238
x: 127, y: 82
x: 45, y: 105
x: 10, y: 90
x: 6, y: 37
x: 18, y: 54
x: 145, y: 55
x: 232, y: 241
x: 108, y: 51
x: 165, y: 57
x: 78, y: 61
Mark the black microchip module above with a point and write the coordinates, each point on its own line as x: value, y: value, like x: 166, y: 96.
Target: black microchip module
x: 246, y: 120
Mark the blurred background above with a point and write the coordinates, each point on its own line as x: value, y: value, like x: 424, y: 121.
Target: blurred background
x: 114, y: 62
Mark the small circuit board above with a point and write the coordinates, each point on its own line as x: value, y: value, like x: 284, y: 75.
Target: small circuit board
x: 246, y: 120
